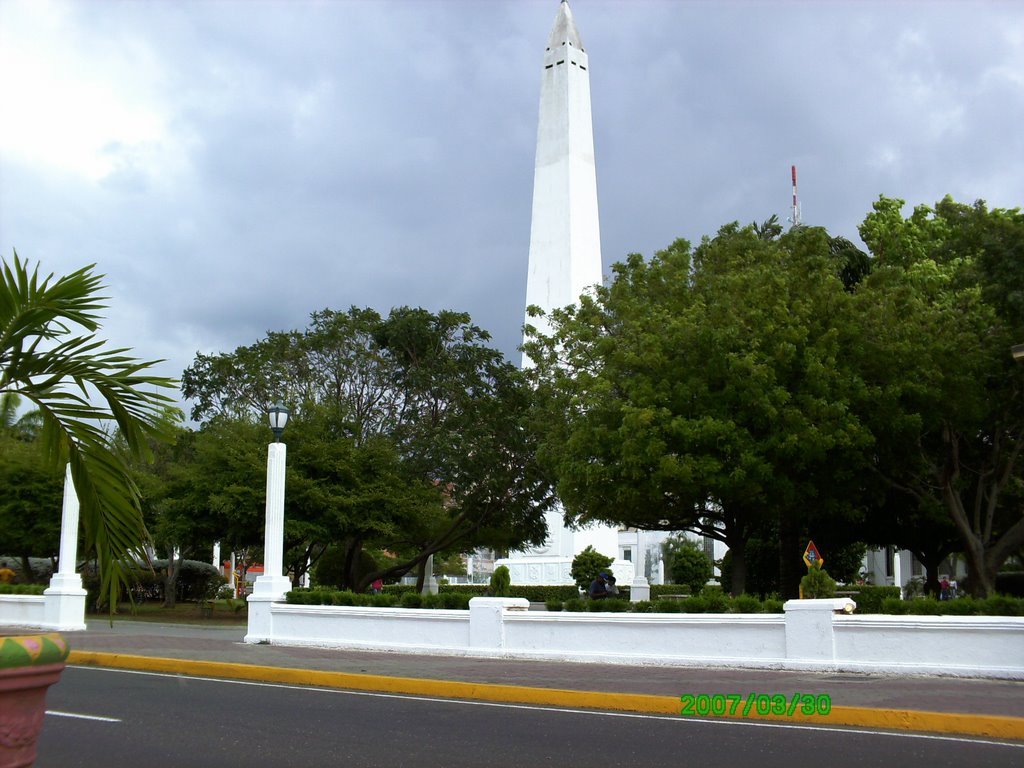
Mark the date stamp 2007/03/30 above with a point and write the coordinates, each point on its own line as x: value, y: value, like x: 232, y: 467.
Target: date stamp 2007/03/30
x: 755, y: 704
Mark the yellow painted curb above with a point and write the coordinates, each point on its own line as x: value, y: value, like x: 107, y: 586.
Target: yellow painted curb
x: 994, y: 726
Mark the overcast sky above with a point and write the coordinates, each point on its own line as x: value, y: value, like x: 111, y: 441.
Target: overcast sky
x: 233, y: 166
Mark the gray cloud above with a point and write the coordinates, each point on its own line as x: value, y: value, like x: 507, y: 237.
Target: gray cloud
x: 254, y: 162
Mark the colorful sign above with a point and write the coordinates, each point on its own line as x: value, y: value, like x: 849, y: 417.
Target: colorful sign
x: 812, y: 558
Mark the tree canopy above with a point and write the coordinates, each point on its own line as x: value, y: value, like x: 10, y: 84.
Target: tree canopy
x: 408, y: 432
x: 793, y: 383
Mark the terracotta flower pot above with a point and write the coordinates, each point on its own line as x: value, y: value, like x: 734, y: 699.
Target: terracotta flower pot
x: 29, y: 664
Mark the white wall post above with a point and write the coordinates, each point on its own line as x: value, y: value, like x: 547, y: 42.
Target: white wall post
x: 810, y: 635
x: 487, y: 620
x: 65, y: 597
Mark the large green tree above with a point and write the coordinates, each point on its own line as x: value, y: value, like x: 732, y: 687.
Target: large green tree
x: 708, y: 390
x: 943, y: 306
x: 51, y: 358
x: 30, y: 502
x: 410, y: 432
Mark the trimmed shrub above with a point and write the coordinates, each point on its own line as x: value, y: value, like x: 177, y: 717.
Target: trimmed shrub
x: 473, y: 590
x: 962, y: 606
x: 577, y: 605
x: 455, y: 600
x: 540, y: 594
x: 1001, y: 605
x: 669, y: 606
x: 745, y: 604
x: 500, y: 581
x: 772, y: 605
x: 716, y: 601
x: 383, y: 601
x: 817, y: 584
x: 399, y: 589
x: 925, y: 606
x: 608, y: 605
x: 432, y: 601
x: 553, y: 605
x: 895, y: 606
x: 869, y: 598
x: 22, y: 589
x: 696, y: 604
x: 643, y: 606
x: 411, y: 600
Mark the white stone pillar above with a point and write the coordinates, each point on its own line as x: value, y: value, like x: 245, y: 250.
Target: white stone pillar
x: 640, y: 589
x: 810, y: 634
x: 897, y: 571
x: 272, y: 583
x: 429, y: 582
x: 216, y: 558
x: 65, y: 597
x: 233, y: 582
x: 487, y: 620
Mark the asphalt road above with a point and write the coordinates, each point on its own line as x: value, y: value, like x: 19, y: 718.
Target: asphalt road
x: 158, y: 720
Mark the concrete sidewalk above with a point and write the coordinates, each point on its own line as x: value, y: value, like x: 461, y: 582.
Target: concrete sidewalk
x: 935, y: 704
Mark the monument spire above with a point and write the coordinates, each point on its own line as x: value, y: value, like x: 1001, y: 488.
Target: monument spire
x: 565, y: 258
x: 565, y: 235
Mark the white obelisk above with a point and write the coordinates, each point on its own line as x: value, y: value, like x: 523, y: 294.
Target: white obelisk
x: 565, y: 257
x: 565, y: 234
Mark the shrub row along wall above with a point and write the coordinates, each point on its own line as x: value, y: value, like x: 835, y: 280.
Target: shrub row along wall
x: 809, y: 635
x: 874, y: 601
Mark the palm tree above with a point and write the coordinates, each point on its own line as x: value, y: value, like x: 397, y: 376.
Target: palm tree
x: 51, y: 358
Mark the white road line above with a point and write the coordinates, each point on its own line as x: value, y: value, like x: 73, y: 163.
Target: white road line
x: 567, y: 710
x: 78, y: 716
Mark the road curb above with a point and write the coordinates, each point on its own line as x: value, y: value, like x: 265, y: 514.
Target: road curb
x: 994, y: 726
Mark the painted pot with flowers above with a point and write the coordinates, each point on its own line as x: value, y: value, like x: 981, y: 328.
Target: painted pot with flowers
x: 29, y: 665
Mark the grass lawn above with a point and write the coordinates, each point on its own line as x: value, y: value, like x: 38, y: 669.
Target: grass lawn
x: 183, y: 613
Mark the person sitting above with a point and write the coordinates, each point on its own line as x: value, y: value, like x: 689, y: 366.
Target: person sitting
x: 610, y: 587
x: 599, y: 587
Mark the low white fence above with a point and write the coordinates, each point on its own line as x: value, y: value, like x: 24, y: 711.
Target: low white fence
x: 22, y: 610
x: 810, y: 635
x: 61, y: 607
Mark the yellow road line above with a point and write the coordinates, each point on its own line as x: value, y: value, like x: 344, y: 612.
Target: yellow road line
x: 994, y: 726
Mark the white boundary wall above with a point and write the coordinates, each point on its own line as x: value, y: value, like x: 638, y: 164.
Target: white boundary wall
x: 60, y: 609
x: 811, y: 635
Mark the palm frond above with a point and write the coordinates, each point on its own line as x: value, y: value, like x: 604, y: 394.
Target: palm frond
x: 83, y: 392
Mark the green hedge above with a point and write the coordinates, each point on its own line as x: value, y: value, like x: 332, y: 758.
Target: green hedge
x: 712, y: 601
x: 869, y: 598
x: 22, y: 589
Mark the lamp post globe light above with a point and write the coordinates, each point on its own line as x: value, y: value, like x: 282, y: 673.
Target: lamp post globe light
x: 272, y: 584
x: 278, y: 415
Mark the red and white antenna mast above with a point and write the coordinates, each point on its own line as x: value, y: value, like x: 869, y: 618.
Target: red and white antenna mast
x: 795, y: 217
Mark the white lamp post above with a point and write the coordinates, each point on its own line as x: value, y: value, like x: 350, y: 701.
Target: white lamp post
x: 272, y: 583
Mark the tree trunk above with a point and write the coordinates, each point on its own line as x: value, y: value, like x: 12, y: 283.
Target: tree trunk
x: 931, y: 573
x: 171, y: 581
x: 421, y: 575
x: 738, y: 582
